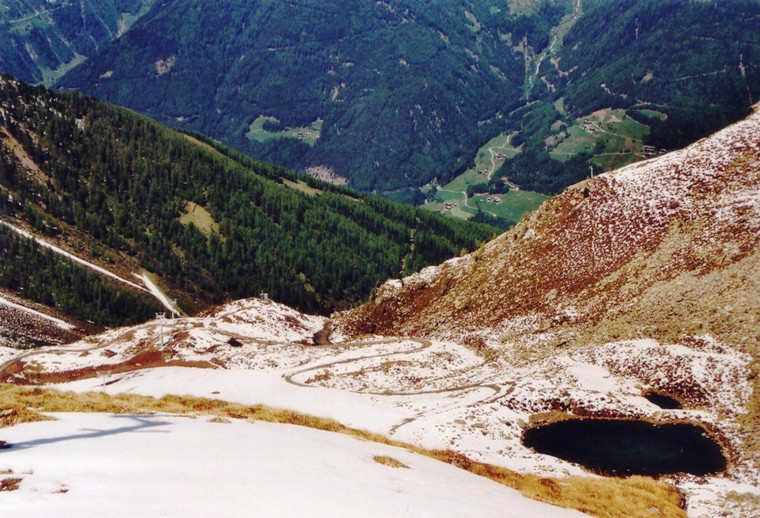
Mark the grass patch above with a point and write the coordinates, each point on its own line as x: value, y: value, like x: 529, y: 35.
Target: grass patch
x: 655, y: 114
x: 307, y: 134
x: 203, y: 145
x: 576, y: 140
x: 12, y: 414
x: 620, y: 137
x: 303, y: 187
x: 487, y: 163
x: 50, y: 75
x: 460, y: 210
x: 194, y: 214
x: 523, y: 7
x: 515, y: 204
x: 446, y: 195
x: 634, y: 496
x: 461, y: 182
x: 612, y: 161
x: 559, y: 105
x: 488, y: 160
x: 389, y: 461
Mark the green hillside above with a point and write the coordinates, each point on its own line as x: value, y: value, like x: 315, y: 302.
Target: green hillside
x: 631, y: 79
x: 42, y: 39
x: 212, y: 224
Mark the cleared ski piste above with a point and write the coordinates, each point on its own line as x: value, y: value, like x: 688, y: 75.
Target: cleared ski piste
x: 72, y: 257
x: 156, y: 292
x: 149, y: 287
x: 57, y: 321
x: 159, y: 465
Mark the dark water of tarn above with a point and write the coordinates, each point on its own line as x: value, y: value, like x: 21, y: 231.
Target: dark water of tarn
x: 619, y: 447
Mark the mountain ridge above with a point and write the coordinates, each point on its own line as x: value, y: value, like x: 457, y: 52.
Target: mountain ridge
x: 666, y: 249
x: 42, y: 40
x: 586, y: 235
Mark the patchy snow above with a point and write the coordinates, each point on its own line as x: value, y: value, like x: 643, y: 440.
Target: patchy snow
x: 7, y: 354
x: 392, y: 287
x: 57, y: 321
x: 435, y: 394
x: 156, y: 292
x: 162, y: 465
x: 266, y: 320
x: 700, y: 502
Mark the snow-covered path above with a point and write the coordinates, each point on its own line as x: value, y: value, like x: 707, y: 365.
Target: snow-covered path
x: 72, y: 257
x: 57, y: 321
x: 157, y: 293
x: 93, y: 465
x: 150, y: 286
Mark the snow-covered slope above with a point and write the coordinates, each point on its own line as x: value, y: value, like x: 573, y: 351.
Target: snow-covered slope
x: 435, y: 394
x: 91, y: 465
x: 23, y: 322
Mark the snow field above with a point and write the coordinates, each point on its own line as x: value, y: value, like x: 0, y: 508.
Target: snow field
x: 89, y: 465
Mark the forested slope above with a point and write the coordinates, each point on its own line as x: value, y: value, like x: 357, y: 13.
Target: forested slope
x: 42, y: 39
x: 212, y: 224
x: 394, y: 94
x: 665, y: 72
x: 406, y: 90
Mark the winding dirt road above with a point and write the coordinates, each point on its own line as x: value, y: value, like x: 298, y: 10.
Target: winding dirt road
x: 496, y: 391
x: 499, y: 390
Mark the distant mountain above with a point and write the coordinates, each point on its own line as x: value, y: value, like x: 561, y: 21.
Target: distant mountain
x: 398, y: 92
x: 631, y: 78
x: 41, y: 39
x: 697, y: 61
x: 120, y: 191
x: 391, y: 95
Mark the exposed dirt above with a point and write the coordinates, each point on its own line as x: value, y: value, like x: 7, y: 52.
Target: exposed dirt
x: 664, y: 249
x: 20, y: 372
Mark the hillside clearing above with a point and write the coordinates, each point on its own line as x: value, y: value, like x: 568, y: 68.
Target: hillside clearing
x: 198, y: 215
x: 307, y: 134
x: 452, y: 199
x: 302, y: 187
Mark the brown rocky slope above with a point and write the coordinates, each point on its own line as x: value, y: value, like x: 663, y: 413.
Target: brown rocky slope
x: 664, y: 249
x: 661, y: 248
